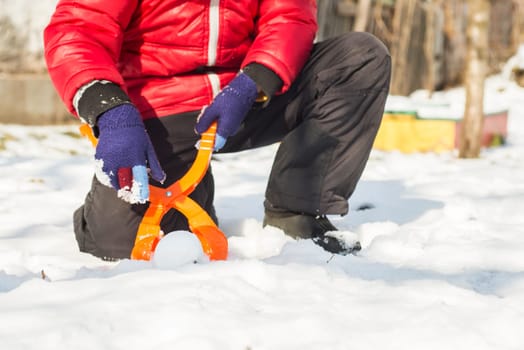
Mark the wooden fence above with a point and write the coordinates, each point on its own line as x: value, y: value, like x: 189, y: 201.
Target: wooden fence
x: 427, y: 38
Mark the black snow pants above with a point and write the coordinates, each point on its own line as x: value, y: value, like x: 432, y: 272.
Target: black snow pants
x: 326, y: 123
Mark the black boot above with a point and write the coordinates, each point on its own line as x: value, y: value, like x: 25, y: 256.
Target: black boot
x: 305, y: 226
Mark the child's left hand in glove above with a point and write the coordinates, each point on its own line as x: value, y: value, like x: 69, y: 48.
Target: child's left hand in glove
x: 229, y: 108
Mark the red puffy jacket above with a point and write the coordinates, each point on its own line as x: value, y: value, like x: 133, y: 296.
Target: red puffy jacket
x: 173, y: 56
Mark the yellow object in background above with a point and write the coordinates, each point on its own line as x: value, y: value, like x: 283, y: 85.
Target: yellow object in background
x: 406, y: 133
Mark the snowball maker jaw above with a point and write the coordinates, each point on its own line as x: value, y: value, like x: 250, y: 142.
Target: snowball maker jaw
x: 214, y: 242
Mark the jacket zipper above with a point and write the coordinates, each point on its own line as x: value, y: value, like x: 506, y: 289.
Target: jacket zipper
x: 214, y: 25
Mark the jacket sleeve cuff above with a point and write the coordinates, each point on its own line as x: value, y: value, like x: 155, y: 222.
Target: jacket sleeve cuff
x: 96, y: 98
x: 267, y: 80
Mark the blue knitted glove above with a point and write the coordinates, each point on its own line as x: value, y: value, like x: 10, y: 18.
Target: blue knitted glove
x: 123, y: 152
x: 229, y: 108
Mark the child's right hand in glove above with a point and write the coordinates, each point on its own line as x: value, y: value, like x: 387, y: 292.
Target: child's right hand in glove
x: 125, y: 153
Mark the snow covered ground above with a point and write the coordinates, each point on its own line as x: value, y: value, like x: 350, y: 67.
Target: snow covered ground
x: 442, y: 265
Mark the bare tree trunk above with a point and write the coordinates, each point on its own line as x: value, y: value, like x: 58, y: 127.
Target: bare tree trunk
x: 476, y: 69
x: 429, y: 46
x: 519, y: 21
x: 402, y: 30
x: 362, y: 16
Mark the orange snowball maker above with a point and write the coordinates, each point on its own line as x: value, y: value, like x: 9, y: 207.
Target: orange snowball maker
x: 161, y: 200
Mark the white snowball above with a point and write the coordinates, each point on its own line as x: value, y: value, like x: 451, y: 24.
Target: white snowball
x: 178, y: 248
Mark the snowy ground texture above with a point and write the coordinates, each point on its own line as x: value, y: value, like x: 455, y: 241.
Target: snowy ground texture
x: 442, y: 265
